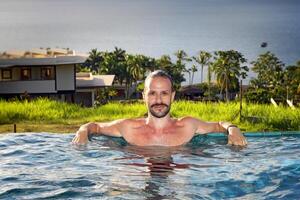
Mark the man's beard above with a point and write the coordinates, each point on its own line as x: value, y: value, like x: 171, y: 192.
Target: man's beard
x: 162, y: 113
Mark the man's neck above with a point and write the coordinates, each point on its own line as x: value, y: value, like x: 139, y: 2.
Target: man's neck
x: 158, y: 123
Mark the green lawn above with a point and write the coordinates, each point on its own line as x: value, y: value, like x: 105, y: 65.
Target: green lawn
x: 44, y: 115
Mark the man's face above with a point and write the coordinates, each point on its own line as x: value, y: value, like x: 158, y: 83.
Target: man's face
x: 158, y: 96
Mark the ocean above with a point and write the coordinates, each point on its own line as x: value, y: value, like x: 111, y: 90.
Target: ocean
x: 154, y: 27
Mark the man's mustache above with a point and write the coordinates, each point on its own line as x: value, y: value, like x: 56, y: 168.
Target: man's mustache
x: 162, y: 104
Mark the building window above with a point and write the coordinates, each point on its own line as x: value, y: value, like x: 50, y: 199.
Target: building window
x: 6, y: 74
x: 47, y: 73
x: 25, y: 74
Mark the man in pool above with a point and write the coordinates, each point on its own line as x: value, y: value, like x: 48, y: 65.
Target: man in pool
x: 158, y: 129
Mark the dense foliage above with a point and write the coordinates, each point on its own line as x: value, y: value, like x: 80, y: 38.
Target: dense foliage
x: 273, y: 80
x: 256, y: 117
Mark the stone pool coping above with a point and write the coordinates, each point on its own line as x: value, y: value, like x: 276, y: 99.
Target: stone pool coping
x: 260, y: 134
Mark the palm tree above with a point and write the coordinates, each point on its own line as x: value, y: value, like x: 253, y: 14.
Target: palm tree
x: 203, y: 59
x: 182, y: 57
x: 193, y: 69
x: 119, y: 66
x: 136, y: 67
x: 94, y: 60
x: 180, y: 67
x: 189, y: 73
x: 164, y: 63
x: 228, y: 69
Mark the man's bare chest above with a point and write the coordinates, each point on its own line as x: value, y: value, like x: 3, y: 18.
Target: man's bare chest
x: 144, y: 136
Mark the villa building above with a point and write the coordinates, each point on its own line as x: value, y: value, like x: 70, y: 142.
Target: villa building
x: 51, y: 73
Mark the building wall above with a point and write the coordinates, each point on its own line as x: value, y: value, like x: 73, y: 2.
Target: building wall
x: 65, y: 77
x: 65, y: 81
x: 19, y: 87
x: 35, y: 73
x: 16, y: 74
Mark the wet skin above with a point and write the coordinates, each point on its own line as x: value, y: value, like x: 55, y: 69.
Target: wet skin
x: 158, y: 129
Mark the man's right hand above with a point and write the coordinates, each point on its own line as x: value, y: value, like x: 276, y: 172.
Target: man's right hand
x: 81, y: 137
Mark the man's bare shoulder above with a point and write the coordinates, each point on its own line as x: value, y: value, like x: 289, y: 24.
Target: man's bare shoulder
x: 134, y: 122
x: 187, y: 119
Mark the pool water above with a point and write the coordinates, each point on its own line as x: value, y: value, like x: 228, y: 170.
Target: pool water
x: 47, y: 166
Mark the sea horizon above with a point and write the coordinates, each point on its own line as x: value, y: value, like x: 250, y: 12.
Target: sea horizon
x: 155, y: 28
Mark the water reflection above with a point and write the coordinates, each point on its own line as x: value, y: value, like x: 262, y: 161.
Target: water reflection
x: 160, y: 172
x: 159, y: 165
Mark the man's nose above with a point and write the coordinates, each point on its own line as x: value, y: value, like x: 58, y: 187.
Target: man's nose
x: 158, y: 98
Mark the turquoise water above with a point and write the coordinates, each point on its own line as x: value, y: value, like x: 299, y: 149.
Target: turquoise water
x: 47, y: 166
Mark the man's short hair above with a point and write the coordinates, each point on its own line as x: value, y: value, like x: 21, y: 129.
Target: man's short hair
x: 160, y: 73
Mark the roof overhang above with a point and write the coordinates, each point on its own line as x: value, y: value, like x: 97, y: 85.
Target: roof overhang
x: 93, y: 81
x: 59, y: 60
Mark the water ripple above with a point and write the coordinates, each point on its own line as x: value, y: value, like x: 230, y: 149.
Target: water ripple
x: 47, y: 166
x: 13, y: 153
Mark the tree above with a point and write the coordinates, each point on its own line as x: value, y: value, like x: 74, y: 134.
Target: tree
x: 182, y: 58
x: 164, y: 63
x: 178, y: 69
x: 94, y: 60
x: 135, y: 67
x: 193, y: 70
x: 203, y: 59
x: 270, y: 76
x: 228, y: 68
x: 292, y: 81
x: 269, y: 70
x: 115, y: 63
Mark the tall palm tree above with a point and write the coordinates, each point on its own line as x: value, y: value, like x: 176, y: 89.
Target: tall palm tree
x: 119, y: 65
x: 209, y: 73
x: 228, y: 69
x: 203, y: 59
x: 189, y: 70
x: 136, y: 67
x: 94, y: 60
x: 115, y: 63
x: 180, y: 67
x: 182, y: 58
x: 192, y: 70
x: 164, y: 63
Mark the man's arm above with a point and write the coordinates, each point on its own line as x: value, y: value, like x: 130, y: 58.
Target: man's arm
x: 235, y: 137
x: 113, y: 128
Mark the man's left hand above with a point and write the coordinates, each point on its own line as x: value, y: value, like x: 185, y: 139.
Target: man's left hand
x: 235, y: 137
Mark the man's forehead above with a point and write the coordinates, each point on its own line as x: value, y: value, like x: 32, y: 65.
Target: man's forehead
x: 158, y: 82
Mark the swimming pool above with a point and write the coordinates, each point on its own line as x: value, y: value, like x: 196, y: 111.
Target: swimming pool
x: 47, y: 166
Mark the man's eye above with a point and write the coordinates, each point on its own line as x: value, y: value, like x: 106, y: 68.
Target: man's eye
x: 151, y: 93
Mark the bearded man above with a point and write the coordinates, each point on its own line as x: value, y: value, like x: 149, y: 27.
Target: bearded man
x: 159, y: 129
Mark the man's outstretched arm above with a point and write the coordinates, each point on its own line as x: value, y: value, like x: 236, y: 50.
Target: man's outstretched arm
x: 109, y: 128
x: 235, y: 137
